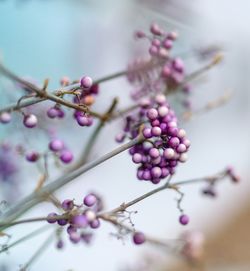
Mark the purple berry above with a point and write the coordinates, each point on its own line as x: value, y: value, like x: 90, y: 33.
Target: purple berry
x: 79, y: 221
x: 156, y: 172
x: 87, y: 237
x: 154, y: 153
x: 152, y: 114
x: 30, y: 121
x: 52, y: 113
x: 56, y: 145
x: 174, y: 142
x: 66, y: 156
x: 67, y: 205
x: 71, y: 229
x: 155, y: 29
x: 184, y: 219
x: 95, y: 224
x: 60, y: 244
x: 32, y: 156
x: 139, y: 238
x: 169, y: 153
x: 86, y: 82
x: 147, y: 133
x: 162, y: 111
x: 168, y: 43
x: 62, y: 222
x: 51, y: 218
x: 75, y: 237
x: 137, y: 158
x: 90, y: 200
x: 5, y: 117
x: 140, y: 34
x: 156, y: 131
x: 181, y: 148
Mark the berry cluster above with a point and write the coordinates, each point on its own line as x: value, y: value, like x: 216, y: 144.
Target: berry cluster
x: 57, y: 146
x: 55, y: 112
x: 79, y: 218
x: 29, y: 120
x: 160, y: 72
x: 165, y: 143
x: 87, y: 98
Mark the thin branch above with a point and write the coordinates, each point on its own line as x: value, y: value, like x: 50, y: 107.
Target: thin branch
x: 39, y: 196
x: 93, y: 137
x: 26, y: 237
x: 39, y: 252
x: 45, y: 95
x: 149, y: 239
x: 30, y: 220
x: 123, y: 207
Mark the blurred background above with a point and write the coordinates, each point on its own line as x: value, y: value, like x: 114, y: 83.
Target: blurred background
x: 50, y: 39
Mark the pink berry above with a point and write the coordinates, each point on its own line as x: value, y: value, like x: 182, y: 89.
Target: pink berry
x: 184, y: 219
x: 139, y: 238
x: 5, y: 117
x: 30, y: 121
x: 86, y: 82
x: 66, y: 156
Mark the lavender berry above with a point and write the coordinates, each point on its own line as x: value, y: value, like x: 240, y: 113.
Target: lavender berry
x: 5, y: 117
x: 32, y: 156
x: 184, y: 219
x: 56, y: 145
x: 86, y: 82
x: 66, y: 156
x: 139, y: 238
x: 166, y: 144
x: 90, y: 200
x: 30, y: 121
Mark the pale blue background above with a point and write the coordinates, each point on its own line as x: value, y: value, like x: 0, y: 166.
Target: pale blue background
x: 54, y: 38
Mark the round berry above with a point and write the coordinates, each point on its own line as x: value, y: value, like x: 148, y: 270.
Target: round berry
x: 156, y: 172
x: 90, y: 215
x: 139, y: 238
x: 162, y: 111
x: 79, y: 221
x: 160, y: 99
x: 155, y: 29
x: 183, y: 157
x: 62, y: 222
x: 169, y: 153
x: 60, y: 244
x: 174, y: 142
x: 90, y: 200
x: 181, y: 148
x: 184, y: 219
x: 52, y: 112
x: 152, y: 114
x: 156, y: 131
x: 56, y: 145
x: 32, y: 156
x: 95, y: 224
x: 67, y: 205
x: 86, y: 82
x: 30, y: 121
x: 5, y: 117
x: 147, y: 132
x: 66, y: 156
x: 137, y: 158
x: 75, y: 237
x: 51, y: 218
x: 154, y: 153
